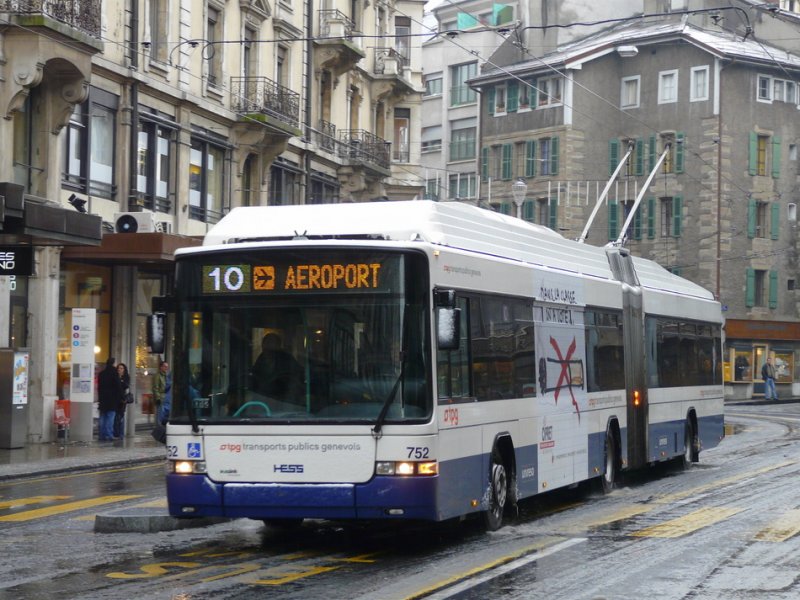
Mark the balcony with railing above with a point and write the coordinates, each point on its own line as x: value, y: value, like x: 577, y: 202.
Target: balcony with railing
x: 388, y: 61
x: 83, y: 16
x: 255, y: 96
x: 360, y: 146
x: 337, y: 49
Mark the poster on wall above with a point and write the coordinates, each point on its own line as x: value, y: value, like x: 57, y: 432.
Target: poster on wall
x: 20, y: 387
x: 82, y: 343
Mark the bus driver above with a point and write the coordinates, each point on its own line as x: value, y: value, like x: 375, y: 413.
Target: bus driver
x: 275, y: 373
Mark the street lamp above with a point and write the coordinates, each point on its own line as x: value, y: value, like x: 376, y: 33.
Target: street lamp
x: 518, y: 189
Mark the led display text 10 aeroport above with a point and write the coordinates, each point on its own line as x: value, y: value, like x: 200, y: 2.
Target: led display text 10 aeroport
x: 293, y: 277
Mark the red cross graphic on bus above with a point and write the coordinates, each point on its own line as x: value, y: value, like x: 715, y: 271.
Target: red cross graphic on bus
x: 564, y: 375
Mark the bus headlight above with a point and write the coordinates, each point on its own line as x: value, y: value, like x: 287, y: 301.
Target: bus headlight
x: 187, y: 467
x: 407, y: 468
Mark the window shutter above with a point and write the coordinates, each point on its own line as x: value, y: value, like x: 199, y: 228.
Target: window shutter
x: 775, y: 223
x: 752, y: 168
x: 776, y: 157
x: 506, y: 168
x: 553, y: 220
x: 554, y: 155
x: 651, y: 218
x: 528, y: 210
x: 651, y: 153
x: 637, y: 224
x: 530, y: 158
x: 639, y: 170
x: 612, y: 221
x: 485, y: 163
x: 679, y: 151
x: 613, y: 155
x: 677, y: 215
x: 513, y: 96
x: 490, y: 93
x: 750, y: 288
x: 751, y: 218
x: 773, y: 289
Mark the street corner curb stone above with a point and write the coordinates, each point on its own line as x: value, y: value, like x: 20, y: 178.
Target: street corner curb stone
x: 148, y: 522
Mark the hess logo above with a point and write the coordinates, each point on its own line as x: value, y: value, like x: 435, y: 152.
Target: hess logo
x: 287, y: 468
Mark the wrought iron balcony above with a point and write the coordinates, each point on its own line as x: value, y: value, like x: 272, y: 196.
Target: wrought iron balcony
x: 83, y: 15
x: 334, y: 23
x: 262, y: 95
x: 361, y: 146
x: 388, y: 61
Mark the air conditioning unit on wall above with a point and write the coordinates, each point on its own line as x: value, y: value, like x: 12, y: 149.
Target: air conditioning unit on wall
x: 134, y: 222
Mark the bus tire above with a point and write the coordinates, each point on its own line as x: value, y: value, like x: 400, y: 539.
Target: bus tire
x: 609, y: 477
x: 690, y: 445
x: 498, y: 493
x: 284, y: 525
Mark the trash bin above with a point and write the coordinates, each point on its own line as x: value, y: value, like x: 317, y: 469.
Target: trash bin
x: 13, y: 397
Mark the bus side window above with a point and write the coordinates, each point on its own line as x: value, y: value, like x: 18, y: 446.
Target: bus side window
x: 453, y: 365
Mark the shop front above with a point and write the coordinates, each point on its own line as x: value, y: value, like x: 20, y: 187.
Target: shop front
x: 748, y: 344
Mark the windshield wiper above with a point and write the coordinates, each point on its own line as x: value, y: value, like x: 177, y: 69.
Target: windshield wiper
x: 377, y: 432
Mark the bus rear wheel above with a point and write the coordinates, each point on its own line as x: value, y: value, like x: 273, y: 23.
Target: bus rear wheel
x: 498, y: 494
x: 609, y: 477
x: 690, y: 445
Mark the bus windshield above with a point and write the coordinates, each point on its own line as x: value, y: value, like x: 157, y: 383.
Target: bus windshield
x: 302, y: 336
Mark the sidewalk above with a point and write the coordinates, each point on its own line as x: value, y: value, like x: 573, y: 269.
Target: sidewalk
x: 57, y: 457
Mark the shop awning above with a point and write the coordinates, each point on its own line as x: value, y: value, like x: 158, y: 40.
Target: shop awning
x: 133, y: 249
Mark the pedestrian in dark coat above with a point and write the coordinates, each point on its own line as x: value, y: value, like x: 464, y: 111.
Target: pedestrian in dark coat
x: 109, y: 395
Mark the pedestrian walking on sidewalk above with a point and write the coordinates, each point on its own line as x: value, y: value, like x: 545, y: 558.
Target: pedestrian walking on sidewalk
x: 162, y: 392
x: 768, y: 375
x: 127, y: 398
x: 109, y: 395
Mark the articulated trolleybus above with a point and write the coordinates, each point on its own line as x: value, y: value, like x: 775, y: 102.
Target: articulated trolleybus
x: 421, y: 360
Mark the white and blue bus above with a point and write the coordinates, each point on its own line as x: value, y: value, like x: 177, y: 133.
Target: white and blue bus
x: 422, y: 360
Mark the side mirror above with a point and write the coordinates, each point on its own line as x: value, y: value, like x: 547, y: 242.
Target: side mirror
x: 156, y: 332
x: 448, y: 328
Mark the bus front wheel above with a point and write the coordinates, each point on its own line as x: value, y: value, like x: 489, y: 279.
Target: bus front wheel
x: 498, y: 494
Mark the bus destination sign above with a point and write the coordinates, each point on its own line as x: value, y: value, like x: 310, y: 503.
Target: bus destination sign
x: 293, y: 277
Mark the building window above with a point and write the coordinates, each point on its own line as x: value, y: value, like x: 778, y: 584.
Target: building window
x: 400, y: 147
x: 214, y: 35
x: 284, y: 183
x: 461, y: 186
x: 432, y: 139
x: 159, y: 26
x: 500, y: 99
x: 433, y: 85
x: 462, y: 143
x: 154, y: 165
x: 324, y: 189
x: 671, y: 215
x: 90, y: 144
x: 760, y: 287
x: 668, y: 87
x: 629, y: 95
x: 762, y: 142
x: 206, y: 181
x: 431, y: 189
x: 548, y: 156
x: 549, y: 91
x: 761, y: 219
x: 764, y: 88
x: 460, y: 92
x: 402, y: 38
x: 542, y: 211
x: 281, y: 66
x: 249, y: 53
x: 698, y: 84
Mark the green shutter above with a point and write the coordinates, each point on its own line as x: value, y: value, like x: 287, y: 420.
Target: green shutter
x: 553, y: 220
x: 677, y: 215
x: 612, y: 221
x: 752, y: 168
x: 613, y: 155
x: 530, y: 158
x: 751, y: 218
x: 651, y: 153
x: 637, y: 224
x: 490, y: 93
x: 554, y: 155
x: 513, y: 96
x: 528, y: 210
x: 651, y: 218
x: 679, y: 152
x: 750, y: 288
x: 773, y: 289
x: 639, y: 169
x: 506, y: 166
x: 485, y: 162
x: 775, y: 222
x: 776, y: 156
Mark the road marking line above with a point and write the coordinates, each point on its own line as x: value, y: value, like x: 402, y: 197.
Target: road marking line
x: 39, y: 513
x: 688, y: 523
x: 782, y: 529
x: 31, y: 500
x: 498, y: 567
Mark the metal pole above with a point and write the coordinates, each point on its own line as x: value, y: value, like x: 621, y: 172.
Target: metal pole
x: 605, y: 193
